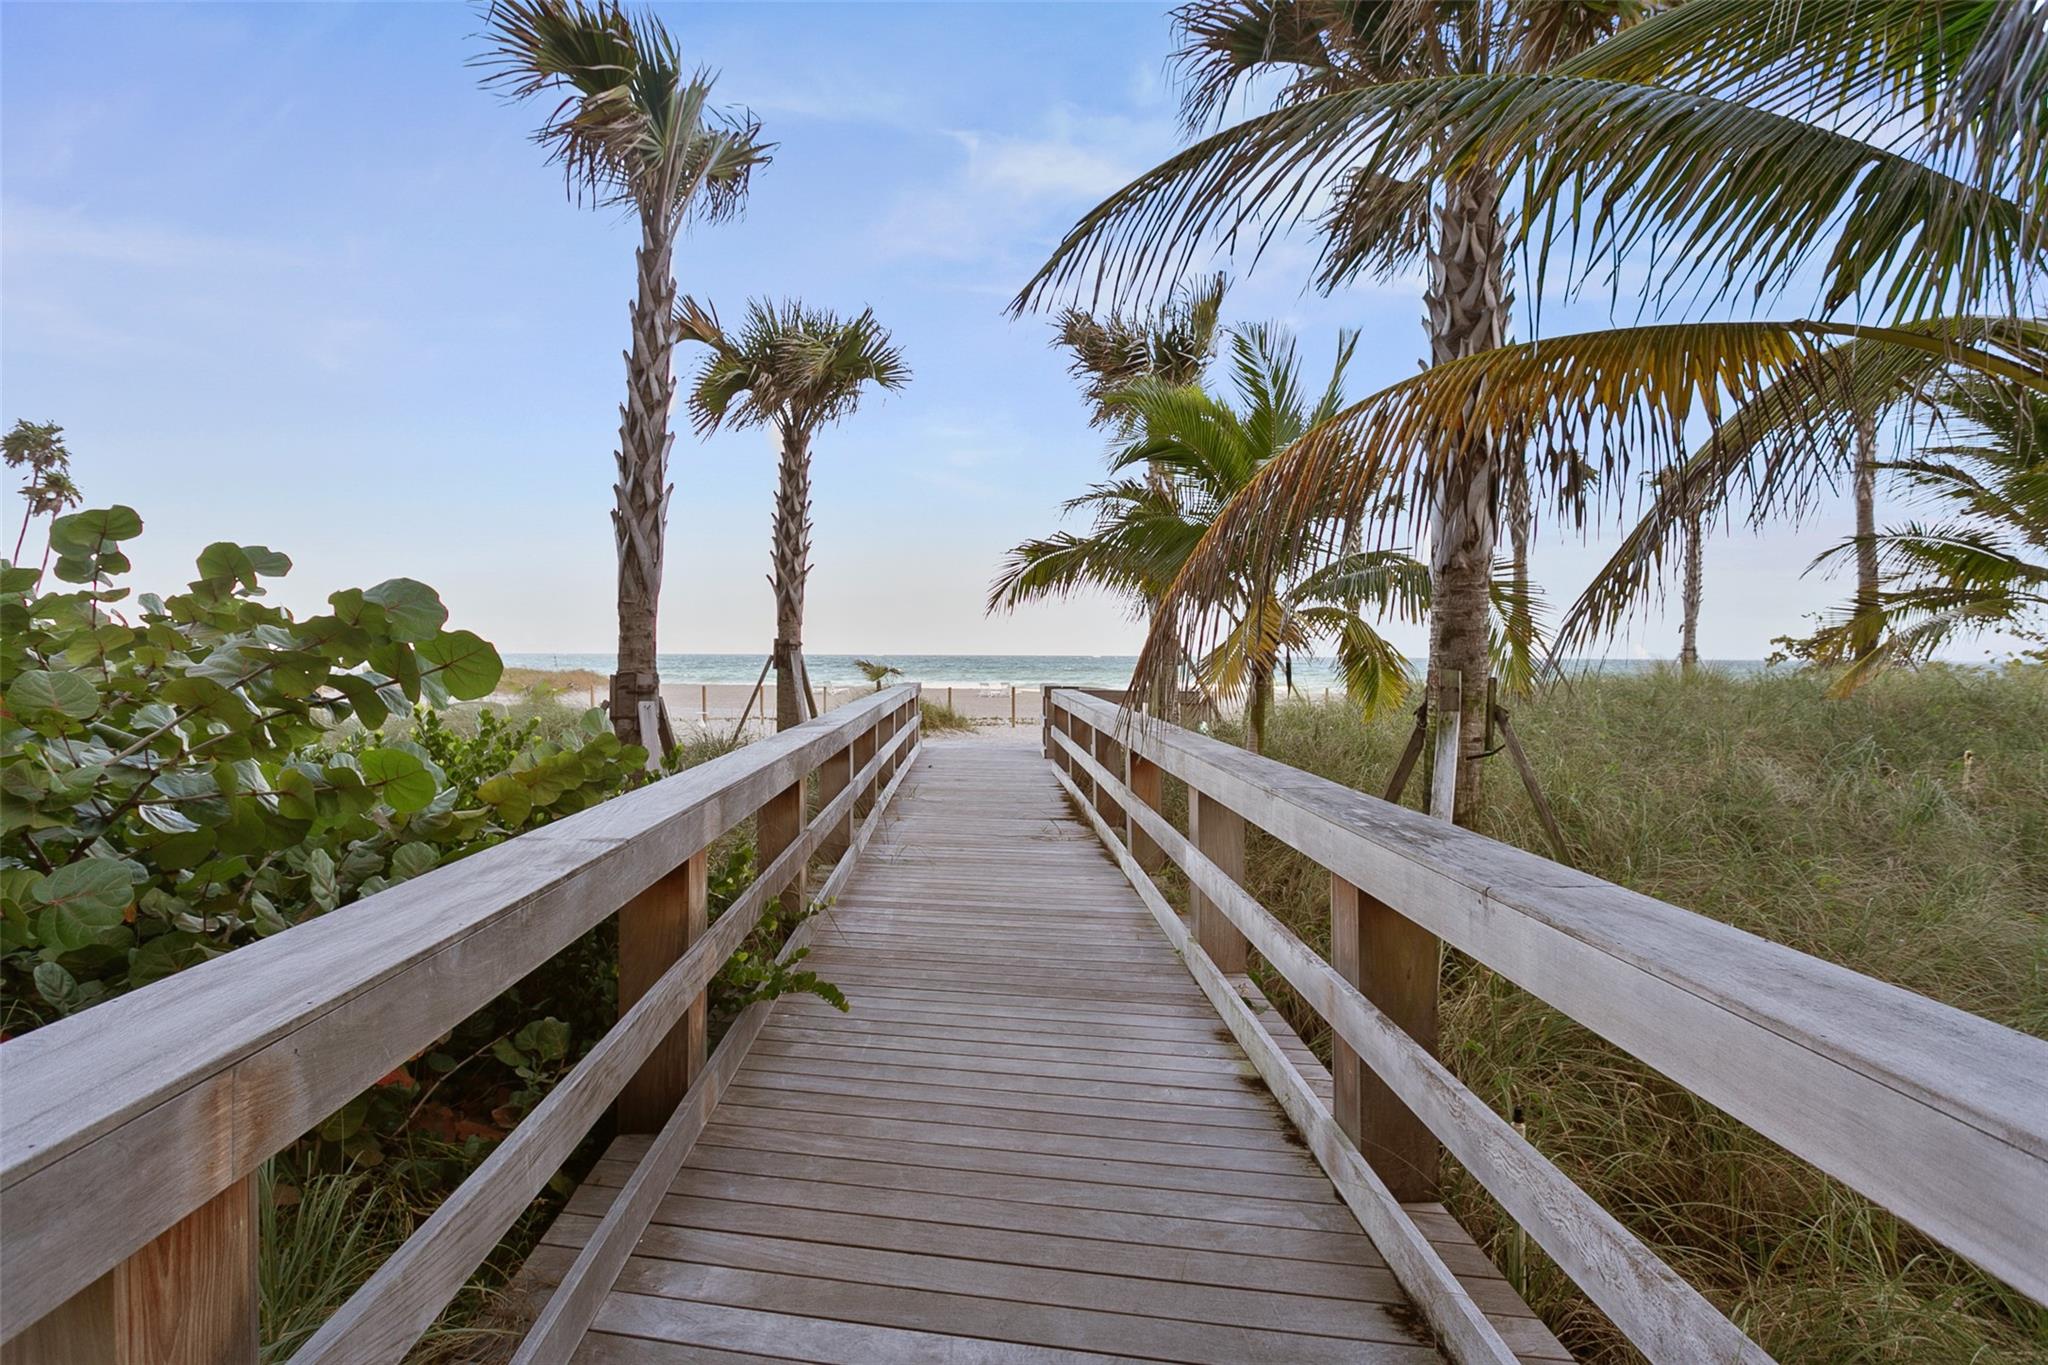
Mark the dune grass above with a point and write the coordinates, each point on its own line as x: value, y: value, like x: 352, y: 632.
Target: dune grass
x: 941, y: 719
x: 1902, y: 833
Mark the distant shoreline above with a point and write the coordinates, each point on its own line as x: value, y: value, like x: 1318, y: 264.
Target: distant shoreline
x: 963, y: 671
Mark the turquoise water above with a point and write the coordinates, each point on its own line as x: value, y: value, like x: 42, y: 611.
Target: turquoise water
x: 1080, y: 670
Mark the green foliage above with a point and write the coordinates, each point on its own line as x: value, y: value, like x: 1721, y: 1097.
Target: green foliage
x: 753, y: 973
x: 877, y: 673
x: 1901, y: 832
x: 179, y: 779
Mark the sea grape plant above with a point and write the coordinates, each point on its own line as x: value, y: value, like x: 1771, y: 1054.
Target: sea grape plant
x: 177, y: 775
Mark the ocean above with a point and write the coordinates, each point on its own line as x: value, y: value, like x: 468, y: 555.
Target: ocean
x: 1004, y: 670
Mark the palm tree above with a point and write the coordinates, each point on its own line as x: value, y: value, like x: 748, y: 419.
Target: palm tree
x: 1709, y: 140
x: 1985, y: 568
x: 1765, y: 453
x: 1383, y: 222
x: 793, y: 369
x: 877, y: 673
x: 1198, y: 451
x: 1174, y: 344
x: 633, y: 130
x: 39, y: 448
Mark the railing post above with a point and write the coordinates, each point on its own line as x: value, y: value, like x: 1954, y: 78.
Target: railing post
x: 1109, y: 754
x: 1045, y: 722
x: 863, y: 753
x: 1142, y: 776
x: 885, y: 730
x: 835, y: 775
x: 778, y: 824
x: 1394, y: 963
x: 1219, y: 836
x: 656, y: 928
x: 190, y: 1297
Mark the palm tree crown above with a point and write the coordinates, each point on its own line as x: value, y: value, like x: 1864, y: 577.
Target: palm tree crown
x: 1199, y: 451
x: 631, y: 128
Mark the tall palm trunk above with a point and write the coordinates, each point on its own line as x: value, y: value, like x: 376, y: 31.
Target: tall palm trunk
x: 1521, y: 623
x: 1864, y: 630
x: 1468, y: 311
x: 792, y: 558
x: 640, y: 519
x: 1689, y: 623
x: 1259, y: 705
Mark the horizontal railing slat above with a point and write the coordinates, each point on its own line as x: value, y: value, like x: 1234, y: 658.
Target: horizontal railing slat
x: 1666, y: 1318
x: 1935, y: 1113
x: 127, y: 1117
x: 382, y: 1320
x: 1418, y: 1268
x: 574, y: 1305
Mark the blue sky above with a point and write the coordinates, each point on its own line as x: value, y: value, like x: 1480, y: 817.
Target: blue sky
x: 287, y: 275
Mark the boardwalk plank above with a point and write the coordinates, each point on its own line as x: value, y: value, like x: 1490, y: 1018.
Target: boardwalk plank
x: 1031, y: 1140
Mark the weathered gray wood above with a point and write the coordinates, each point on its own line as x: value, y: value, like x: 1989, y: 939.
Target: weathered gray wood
x: 1395, y: 964
x: 190, y: 1297
x: 128, y: 1117
x: 1444, y: 1301
x: 1446, y: 711
x: 570, y: 1312
x: 1659, y: 1312
x: 382, y: 1319
x: 1142, y: 776
x: 995, y: 1151
x: 1219, y: 832
x: 656, y: 928
x: 1932, y: 1112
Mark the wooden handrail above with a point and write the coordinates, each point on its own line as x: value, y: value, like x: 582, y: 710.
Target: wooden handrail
x: 1663, y: 1315
x: 123, y: 1120
x: 1934, y: 1113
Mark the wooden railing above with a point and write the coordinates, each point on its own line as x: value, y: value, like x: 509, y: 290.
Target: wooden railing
x: 1936, y: 1114
x: 133, y: 1132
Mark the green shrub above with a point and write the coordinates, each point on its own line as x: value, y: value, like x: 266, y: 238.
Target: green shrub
x: 182, y: 780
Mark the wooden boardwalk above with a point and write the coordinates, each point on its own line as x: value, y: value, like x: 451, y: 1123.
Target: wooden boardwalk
x: 1031, y: 1139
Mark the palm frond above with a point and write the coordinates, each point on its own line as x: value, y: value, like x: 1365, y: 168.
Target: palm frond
x: 629, y: 127
x: 1611, y: 403
x: 795, y: 366
x: 1779, y: 450
x: 1728, y: 196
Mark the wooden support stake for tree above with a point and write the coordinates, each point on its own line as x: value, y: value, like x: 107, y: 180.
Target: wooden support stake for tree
x: 1536, y: 797
x: 1443, y: 763
x: 1410, y: 754
x: 656, y: 928
x: 752, y: 697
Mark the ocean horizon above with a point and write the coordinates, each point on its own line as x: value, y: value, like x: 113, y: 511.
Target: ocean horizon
x: 992, y: 670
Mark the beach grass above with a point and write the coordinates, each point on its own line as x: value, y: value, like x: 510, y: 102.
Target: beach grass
x: 941, y: 719
x: 1902, y: 833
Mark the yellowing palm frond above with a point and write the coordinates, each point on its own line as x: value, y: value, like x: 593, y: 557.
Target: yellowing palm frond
x: 1596, y: 405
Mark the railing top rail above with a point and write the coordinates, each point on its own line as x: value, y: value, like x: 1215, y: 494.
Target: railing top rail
x: 251, y: 1049
x: 1934, y: 1112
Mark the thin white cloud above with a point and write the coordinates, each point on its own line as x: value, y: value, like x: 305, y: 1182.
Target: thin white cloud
x: 1007, y: 189
x: 30, y: 232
